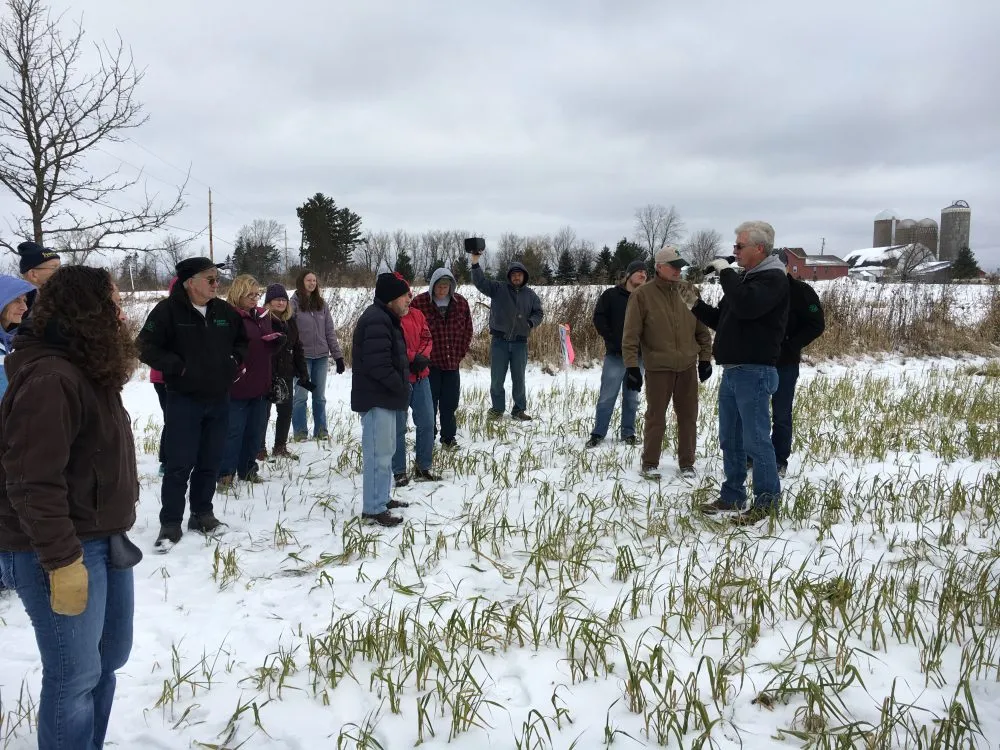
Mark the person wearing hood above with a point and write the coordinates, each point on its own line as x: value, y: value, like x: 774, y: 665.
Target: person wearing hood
x: 749, y: 325
x: 199, y: 344
x: 609, y: 321
x: 449, y: 319
x: 13, y: 305
x: 514, y: 311
x: 68, y: 494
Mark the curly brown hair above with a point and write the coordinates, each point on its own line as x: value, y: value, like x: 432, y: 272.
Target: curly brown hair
x: 76, y: 310
x: 307, y: 301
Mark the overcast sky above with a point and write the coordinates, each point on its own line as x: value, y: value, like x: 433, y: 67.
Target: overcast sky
x: 526, y: 116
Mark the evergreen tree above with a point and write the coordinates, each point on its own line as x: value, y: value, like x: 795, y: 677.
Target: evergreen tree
x: 329, y: 234
x: 535, y: 263
x: 584, y: 271
x: 404, y: 265
x: 625, y: 253
x: 566, y: 268
x: 460, y: 269
x: 602, y: 268
x: 965, y: 265
x: 256, y: 251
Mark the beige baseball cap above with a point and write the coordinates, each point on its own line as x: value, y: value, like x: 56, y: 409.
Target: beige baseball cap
x: 668, y: 255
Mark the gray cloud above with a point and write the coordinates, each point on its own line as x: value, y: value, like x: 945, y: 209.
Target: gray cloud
x: 522, y: 116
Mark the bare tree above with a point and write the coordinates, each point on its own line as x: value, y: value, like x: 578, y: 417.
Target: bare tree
x: 656, y: 226
x: 74, y: 247
x: 171, y: 252
x: 53, y: 115
x: 702, y: 247
x: 564, y: 240
x: 403, y: 242
x: 509, y: 248
x: 374, y: 250
x: 910, y: 258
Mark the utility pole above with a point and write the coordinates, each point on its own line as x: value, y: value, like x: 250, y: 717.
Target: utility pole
x: 822, y: 246
x: 286, y: 250
x: 211, y: 244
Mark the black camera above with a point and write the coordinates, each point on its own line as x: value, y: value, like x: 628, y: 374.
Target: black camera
x: 475, y: 245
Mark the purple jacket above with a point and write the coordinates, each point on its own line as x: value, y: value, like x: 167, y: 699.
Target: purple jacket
x: 256, y: 379
x: 319, y: 337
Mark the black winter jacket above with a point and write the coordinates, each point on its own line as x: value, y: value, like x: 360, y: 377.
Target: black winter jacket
x: 379, y: 368
x: 805, y: 321
x: 289, y: 361
x: 749, y: 322
x: 199, y: 355
x: 609, y: 317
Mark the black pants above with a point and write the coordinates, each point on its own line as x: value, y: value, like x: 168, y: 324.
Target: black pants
x: 194, y: 437
x: 283, y: 422
x: 446, y: 387
x: 161, y: 396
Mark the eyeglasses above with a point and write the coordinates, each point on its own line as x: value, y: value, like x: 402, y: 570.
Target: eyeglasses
x: 211, y: 280
x: 743, y: 246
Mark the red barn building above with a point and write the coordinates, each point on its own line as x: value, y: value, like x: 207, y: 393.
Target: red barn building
x: 814, y: 267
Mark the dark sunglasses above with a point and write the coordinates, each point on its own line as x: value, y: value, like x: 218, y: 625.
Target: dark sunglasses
x: 743, y: 245
x: 212, y: 280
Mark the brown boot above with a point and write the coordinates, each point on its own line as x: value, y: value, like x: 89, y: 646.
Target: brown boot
x: 281, y: 451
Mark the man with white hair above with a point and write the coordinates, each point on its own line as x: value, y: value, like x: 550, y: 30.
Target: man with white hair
x: 749, y: 325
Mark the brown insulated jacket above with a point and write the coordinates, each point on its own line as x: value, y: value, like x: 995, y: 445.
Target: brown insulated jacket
x: 67, y: 457
x: 660, y: 325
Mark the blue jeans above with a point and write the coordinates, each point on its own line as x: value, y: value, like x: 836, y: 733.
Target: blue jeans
x: 781, y: 412
x: 247, y: 425
x: 745, y: 430
x: 79, y: 654
x: 317, y: 367
x: 194, y: 439
x: 378, y: 442
x: 612, y: 381
x: 423, y: 421
x: 504, y: 355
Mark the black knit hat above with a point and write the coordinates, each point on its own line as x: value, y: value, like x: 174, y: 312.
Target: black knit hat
x: 389, y: 286
x: 275, y: 291
x: 635, y: 265
x: 33, y: 255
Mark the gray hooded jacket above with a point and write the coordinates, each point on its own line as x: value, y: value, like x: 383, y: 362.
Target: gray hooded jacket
x: 514, y: 311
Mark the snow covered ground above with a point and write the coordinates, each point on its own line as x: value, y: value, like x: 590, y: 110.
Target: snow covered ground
x: 543, y: 595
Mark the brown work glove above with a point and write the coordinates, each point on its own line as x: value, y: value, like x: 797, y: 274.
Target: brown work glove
x: 689, y: 295
x: 69, y: 588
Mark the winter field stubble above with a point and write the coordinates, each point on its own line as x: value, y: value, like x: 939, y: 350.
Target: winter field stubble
x: 544, y: 596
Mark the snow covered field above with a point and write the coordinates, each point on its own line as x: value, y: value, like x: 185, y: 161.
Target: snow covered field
x: 544, y: 596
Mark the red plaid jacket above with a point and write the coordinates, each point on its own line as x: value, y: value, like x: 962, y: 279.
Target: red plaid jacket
x: 451, y: 332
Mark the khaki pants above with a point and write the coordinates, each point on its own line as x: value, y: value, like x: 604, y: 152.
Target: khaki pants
x: 661, y: 387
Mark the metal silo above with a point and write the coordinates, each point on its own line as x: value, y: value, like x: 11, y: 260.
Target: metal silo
x: 885, y: 225
x: 927, y: 234
x: 956, y: 222
x: 906, y: 232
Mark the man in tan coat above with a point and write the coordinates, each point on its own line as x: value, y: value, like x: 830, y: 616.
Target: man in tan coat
x: 676, y: 351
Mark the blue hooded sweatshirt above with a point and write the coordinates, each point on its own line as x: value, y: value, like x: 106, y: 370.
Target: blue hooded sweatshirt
x: 11, y: 288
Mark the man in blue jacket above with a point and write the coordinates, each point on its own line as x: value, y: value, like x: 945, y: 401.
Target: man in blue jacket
x: 514, y: 311
x: 749, y: 326
x: 380, y: 387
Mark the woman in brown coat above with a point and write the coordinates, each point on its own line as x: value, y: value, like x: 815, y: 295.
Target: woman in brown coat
x: 68, y: 490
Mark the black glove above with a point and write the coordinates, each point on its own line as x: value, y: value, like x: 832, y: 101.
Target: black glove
x: 633, y: 378
x: 308, y: 385
x: 340, y: 365
x: 419, y: 364
x: 704, y: 370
